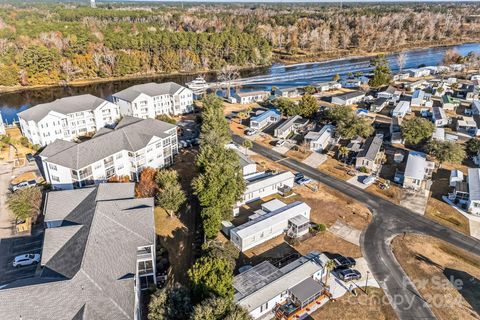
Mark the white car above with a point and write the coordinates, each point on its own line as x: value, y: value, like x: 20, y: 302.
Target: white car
x: 368, y: 180
x: 25, y: 184
x: 280, y: 143
x: 26, y: 259
x: 251, y: 132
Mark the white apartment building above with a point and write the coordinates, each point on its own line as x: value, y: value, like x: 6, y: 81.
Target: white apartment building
x: 152, y: 99
x: 2, y: 125
x: 124, y: 151
x: 67, y: 118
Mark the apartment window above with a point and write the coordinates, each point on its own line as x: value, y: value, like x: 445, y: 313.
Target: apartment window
x: 98, y: 166
x: 120, y: 167
x: 55, y: 178
x: 52, y: 167
x: 158, y: 145
x: 119, y: 156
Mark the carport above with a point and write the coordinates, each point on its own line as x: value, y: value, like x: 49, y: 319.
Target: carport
x: 306, y: 292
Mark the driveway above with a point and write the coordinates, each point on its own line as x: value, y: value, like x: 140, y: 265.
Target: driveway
x: 357, y: 181
x: 315, y: 159
x: 346, y: 232
x: 389, y: 220
x: 415, y: 200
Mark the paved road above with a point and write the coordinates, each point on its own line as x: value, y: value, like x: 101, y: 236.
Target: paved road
x: 388, y: 220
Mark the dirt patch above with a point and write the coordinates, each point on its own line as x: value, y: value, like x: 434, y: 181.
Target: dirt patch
x: 375, y: 305
x: 26, y: 176
x: 327, y: 205
x: 447, y: 277
x: 9, y: 153
x: 445, y: 214
x: 328, y: 243
x: 335, y: 168
x: 392, y: 194
x: 297, y: 154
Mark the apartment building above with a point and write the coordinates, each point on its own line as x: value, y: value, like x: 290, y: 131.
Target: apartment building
x: 123, y: 151
x: 152, y: 99
x: 96, y: 260
x: 67, y: 118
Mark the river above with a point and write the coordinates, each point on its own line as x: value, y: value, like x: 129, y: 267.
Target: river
x: 278, y: 75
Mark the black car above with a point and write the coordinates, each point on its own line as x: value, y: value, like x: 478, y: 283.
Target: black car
x: 349, y: 275
x: 342, y: 262
x: 298, y: 176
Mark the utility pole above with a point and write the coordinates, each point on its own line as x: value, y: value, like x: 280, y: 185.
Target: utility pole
x: 341, y: 4
x: 92, y: 4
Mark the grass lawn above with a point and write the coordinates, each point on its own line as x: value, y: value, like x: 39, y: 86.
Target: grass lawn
x: 431, y: 263
x: 375, y: 305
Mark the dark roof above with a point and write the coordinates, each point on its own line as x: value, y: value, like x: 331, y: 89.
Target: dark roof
x: 130, y: 134
x: 379, y: 101
x: 90, y: 267
x: 350, y: 95
x: 64, y: 106
x: 306, y: 289
x: 371, y: 148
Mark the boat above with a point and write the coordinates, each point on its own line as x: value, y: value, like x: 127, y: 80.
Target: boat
x: 198, y: 85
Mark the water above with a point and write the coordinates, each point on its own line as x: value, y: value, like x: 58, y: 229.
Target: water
x: 257, y: 79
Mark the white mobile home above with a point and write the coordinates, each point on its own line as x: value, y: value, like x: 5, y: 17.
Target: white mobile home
x: 474, y: 191
x: 419, y: 98
x: 439, y: 117
x: 262, y: 184
x: 319, y: 141
x: 418, y: 171
x: 468, y: 125
x: 291, y: 125
x: 401, y: 110
x: 327, y: 86
x: 348, y: 98
x: 449, y: 103
x: 251, y: 97
x: 265, y: 119
x: 262, y: 288
x: 293, y: 219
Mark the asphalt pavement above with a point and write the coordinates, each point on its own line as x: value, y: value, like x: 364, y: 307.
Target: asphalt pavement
x: 388, y: 221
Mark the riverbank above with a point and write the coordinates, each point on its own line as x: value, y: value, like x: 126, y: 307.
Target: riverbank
x: 288, y: 59
x: 279, y: 58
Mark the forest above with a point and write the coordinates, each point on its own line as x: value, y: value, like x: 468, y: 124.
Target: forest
x: 51, y: 43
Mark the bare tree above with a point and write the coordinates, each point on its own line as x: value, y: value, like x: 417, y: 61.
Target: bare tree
x: 227, y: 75
x: 69, y: 69
x: 401, y: 60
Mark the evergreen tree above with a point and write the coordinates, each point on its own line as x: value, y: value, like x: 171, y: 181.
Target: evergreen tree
x: 382, y: 74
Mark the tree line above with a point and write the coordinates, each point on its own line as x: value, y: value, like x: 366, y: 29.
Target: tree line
x: 55, y: 43
x: 218, y: 185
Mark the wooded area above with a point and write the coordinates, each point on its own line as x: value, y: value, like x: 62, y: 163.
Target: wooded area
x: 51, y: 43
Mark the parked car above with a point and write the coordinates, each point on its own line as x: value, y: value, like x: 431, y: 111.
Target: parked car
x: 298, y: 176
x: 349, y: 275
x: 368, y: 180
x: 351, y: 173
x: 24, y: 184
x: 26, y: 260
x: 30, y: 157
x: 342, y: 262
x: 280, y: 143
x: 250, y: 132
x: 304, y: 180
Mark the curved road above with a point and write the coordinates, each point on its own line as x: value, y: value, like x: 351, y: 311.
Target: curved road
x: 388, y: 220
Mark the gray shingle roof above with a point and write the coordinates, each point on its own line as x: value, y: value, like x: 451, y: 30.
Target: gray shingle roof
x: 103, y: 285
x: 64, y: 105
x: 130, y: 134
x: 371, y: 148
x: 56, y: 239
x: 150, y: 89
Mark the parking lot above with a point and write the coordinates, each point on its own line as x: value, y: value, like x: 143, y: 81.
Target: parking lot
x: 12, y: 247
